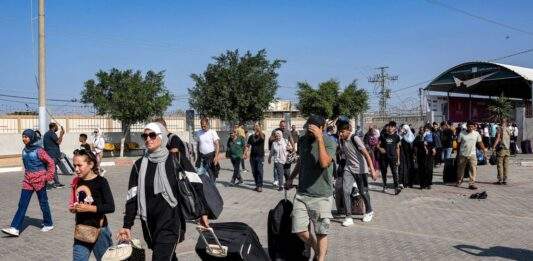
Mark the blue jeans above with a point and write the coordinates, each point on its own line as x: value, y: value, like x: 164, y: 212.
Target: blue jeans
x: 25, y: 197
x: 446, y: 154
x: 82, y: 251
x: 257, y: 170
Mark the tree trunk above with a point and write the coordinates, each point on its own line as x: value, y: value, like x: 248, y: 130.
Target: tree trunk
x: 125, y: 135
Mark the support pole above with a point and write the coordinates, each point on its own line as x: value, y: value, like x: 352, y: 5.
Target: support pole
x: 42, y: 71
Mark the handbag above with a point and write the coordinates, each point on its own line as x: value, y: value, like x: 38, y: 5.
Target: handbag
x: 292, y: 158
x: 125, y: 250
x: 358, y: 205
x: 493, y: 159
x: 86, y: 233
x: 190, y: 202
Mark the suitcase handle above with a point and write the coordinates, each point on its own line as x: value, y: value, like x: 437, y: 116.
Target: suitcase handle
x: 217, y: 250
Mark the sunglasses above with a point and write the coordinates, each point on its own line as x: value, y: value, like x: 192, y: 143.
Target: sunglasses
x: 84, y: 152
x: 152, y: 136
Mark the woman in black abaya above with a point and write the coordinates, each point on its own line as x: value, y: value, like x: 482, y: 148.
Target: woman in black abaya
x: 406, y: 168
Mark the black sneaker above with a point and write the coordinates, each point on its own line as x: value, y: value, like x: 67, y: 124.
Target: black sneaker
x: 50, y: 186
x: 397, y: 191
x: 497, y: 183
x: 239, y: 182
x: 504, y: 183
x: 59, y: 185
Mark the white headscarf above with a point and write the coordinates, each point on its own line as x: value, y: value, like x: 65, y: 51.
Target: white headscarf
x: 407, y: 134
x: 161, y: 183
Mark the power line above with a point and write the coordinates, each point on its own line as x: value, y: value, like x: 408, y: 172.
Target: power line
x: 33, y: 98
x: 511, y: 55
x: 488, y: 20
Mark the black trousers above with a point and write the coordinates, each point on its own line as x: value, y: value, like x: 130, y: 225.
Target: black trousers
x: 236, y: 169
x: 164, y: 252
x: 425, y: 170
x: 385, y: 163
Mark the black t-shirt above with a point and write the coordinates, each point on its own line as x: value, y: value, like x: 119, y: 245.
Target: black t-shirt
x: 99, y: 190
x: 446, y: 138
x: 258, y: 146
x: 86, y: 147
x: 50, y: 143
x: 389, y: 143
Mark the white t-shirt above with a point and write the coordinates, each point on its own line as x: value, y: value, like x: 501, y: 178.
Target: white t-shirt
x: 515, y: 131
x: 206, y: 140
x: 468, y: 143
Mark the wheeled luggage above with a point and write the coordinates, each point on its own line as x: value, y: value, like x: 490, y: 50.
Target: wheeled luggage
x: 282, y: 243
x: 233, y: 241
x: 526, y: 146
x: 450, y: 171
x: 65, y: 166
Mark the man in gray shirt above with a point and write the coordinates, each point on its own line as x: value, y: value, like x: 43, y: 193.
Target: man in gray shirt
x: 358, y: 166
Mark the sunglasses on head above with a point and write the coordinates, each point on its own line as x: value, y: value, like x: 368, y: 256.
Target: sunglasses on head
x: 152, y: 135
x: 84, y: 152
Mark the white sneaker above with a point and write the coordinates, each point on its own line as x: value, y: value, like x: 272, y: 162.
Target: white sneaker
x: 47, y: 228
x: 347, y: 222
x: 275, y: 183
x: 11, y: 231
x: 368, y: 216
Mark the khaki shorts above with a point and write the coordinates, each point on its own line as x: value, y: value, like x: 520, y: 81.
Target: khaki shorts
x: 306, y: 208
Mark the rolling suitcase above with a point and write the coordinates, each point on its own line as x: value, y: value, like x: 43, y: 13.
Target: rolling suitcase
x: 65, y: 166
x: 283, y: 245
x: 233, y: 241
x: 450, y: 171
x: 526, y: 147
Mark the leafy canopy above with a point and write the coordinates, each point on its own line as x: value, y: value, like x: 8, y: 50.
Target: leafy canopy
x: 330, y: 102
x: 236, y: 88
x: 127, y: 96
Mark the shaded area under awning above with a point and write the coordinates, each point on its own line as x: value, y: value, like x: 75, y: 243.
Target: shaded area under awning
x: 486, y: 79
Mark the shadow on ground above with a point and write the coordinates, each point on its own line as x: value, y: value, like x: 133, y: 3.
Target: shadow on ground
x: 497, y: 251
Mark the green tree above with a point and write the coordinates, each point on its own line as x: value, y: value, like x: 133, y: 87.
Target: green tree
x: 127, y: 96
x: 329, y: 101
x: 236, y: 88
x: 500, y: 108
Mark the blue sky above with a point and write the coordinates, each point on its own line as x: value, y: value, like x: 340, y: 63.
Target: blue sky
x: 320, y: 40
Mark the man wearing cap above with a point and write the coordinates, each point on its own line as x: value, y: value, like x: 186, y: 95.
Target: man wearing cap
x: 313, y: 196
x: 466, y: 151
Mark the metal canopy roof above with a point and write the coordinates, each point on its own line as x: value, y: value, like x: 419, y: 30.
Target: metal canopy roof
x: 485, y: 78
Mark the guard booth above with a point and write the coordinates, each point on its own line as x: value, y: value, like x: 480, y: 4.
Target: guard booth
x: 463, y: 93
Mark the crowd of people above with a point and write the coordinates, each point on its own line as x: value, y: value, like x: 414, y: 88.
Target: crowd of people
x: 321, y: 156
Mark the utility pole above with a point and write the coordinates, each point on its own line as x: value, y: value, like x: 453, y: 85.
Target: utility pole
x: 421, y: 101
x: 42, y: 71
x: 381, y: 80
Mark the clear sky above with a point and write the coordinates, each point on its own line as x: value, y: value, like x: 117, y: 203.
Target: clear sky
x: 320, y: 40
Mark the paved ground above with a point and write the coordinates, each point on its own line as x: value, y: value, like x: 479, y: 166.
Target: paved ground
x: 440, y: 224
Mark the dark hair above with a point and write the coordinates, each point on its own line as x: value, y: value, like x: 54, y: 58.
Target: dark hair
x: 470, y: 123
x: 83, y: 135
x: 89, y: 157
x: 52, y: 125
x: 443, y: 123
x: 392, y: 124
x: 282, y: 121
x: 343, y: 126
x: 162, y: 121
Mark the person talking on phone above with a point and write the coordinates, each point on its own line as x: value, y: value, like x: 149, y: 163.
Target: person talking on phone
x: 51, y: 144
x: 315, y: 186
